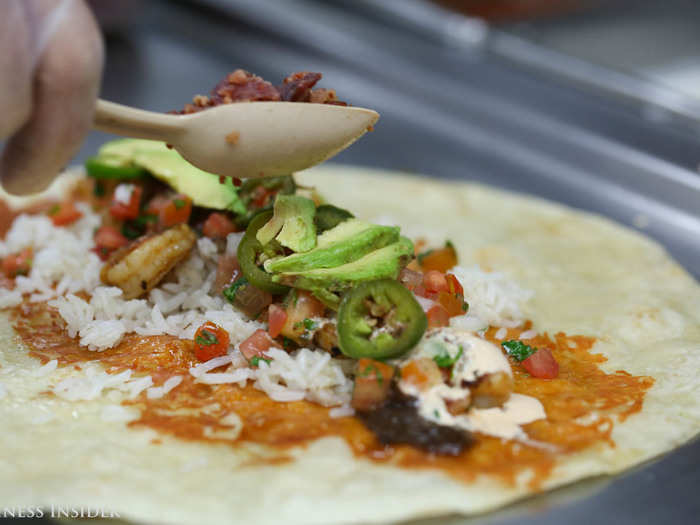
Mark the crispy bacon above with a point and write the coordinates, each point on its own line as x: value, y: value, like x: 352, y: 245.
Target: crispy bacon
x: 243, y: 86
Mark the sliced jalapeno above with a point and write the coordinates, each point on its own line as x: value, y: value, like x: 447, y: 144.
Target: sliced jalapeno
x: 105, y: 167
x: 379, y: 319
x: 249, y: 251
x: 329, y: 216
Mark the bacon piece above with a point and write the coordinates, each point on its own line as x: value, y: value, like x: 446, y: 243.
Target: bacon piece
x: 297, y: 86
x: 243, y: 86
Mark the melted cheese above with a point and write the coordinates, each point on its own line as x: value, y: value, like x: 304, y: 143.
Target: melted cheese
x: 477, y: 358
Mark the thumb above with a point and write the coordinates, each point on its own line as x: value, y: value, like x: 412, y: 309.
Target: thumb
x: 66, y: 84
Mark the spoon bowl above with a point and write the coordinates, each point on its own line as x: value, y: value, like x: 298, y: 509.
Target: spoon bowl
x: 244, y: 140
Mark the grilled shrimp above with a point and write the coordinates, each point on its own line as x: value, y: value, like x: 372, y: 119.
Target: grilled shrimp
x: 140, y: 266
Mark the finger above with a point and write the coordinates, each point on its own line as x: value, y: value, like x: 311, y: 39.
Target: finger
x: 66, y: 85
x: 16, y: 64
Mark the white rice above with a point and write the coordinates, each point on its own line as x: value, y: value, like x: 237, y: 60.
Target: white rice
x: 528, y: 334
x: 494, y: 300
x: 93, y: 382
x: 156, y: 392
x: 123, y: 192
x: 304, y: 374
x: 62, y: 257
x: 217, y: 362
x: 341, y: 411
x: 3, y: 390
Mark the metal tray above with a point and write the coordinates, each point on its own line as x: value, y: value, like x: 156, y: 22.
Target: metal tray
x: 455, y: 112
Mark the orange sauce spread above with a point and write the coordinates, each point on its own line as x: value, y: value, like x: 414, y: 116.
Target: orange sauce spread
x: 192, y: 411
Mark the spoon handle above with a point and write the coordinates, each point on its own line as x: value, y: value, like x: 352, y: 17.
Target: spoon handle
x: 131, y: 122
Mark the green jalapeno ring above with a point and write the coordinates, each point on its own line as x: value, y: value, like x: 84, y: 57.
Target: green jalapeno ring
x: 248, y: 251
x: 329, y: 216
x: 112, y: 168
x: 385, y: 304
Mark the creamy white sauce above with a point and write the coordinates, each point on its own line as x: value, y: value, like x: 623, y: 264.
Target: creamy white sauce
x: 478, y: 358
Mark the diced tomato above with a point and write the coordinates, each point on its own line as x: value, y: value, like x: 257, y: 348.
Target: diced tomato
x: 156, y: 204
x: 276, y: 317
x: 435, y: 281
x: 438, y: 316
x: 422, y: 373
x: 439, y: 260
x: 210, y: 340
x: 18, y: 264
x: 64, y: 213
x: 261, y: 195
x: 123, y: 211
x: 372, y: 384
x: 218, y: 226
x: 108, y: 239
x: 452, y: 303
x: 303, y: 306
x: 410, y: 279
x: 542, y: 364
x: 453, y: 285
x: 176, y: 211
x: 227, y: 271
x: 257, y: 344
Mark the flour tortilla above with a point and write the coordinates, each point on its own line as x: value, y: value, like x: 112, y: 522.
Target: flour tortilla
x: 589, y: 276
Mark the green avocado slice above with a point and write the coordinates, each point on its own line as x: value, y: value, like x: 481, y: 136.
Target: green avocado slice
x: 292, y: 224
x: 205, y: 189
x: 385, y: 262
x: 345, y: 243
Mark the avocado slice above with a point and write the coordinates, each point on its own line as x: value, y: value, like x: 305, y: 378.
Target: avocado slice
x: 383, y: 263
x: 205, y: 189
x: 345, y: 243
x: 292, y: 224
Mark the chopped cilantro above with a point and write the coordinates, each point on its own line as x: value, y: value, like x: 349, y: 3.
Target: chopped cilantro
x: 53, y: 210
x: 230, y: 292
x: 143, y: 220
x: 436, y: 414
x: 465, y: 306
x: 444, y: 360
x: 255, y: 361
x: 518, y: 350
x: 423, y: 255
x: 179, y: 204
x: 309, y: 324
x: 287, y: 343
x: 377, y: 373
x: 206, y: 338
x: 131, y: 231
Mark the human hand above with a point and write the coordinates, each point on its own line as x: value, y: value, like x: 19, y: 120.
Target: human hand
x: 50, y: 69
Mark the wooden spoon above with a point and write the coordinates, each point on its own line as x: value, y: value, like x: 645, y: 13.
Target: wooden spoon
x: 246, y: 139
